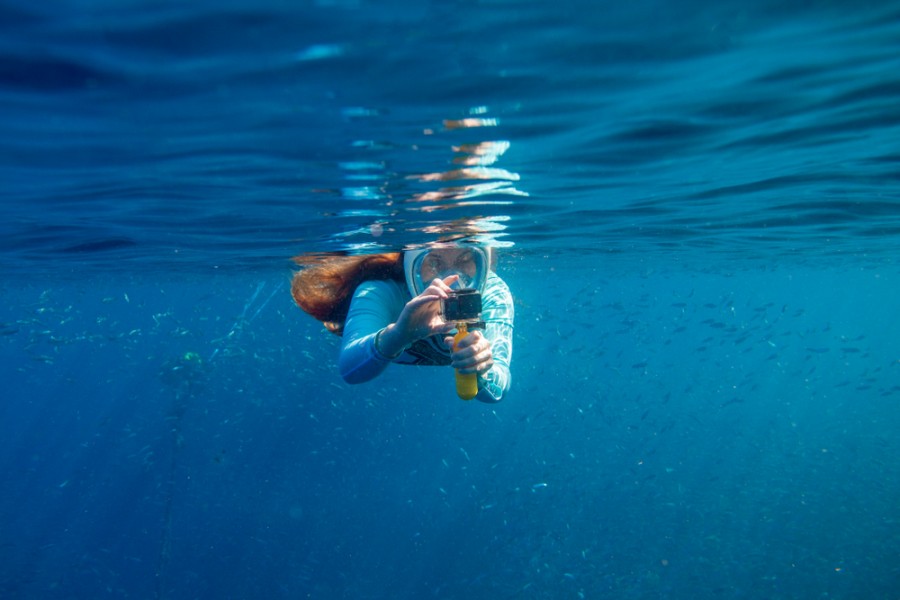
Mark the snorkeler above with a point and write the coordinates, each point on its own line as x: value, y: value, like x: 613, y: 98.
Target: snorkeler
x: 388, y: 308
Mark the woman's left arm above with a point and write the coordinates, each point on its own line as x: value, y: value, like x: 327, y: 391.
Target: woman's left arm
x: 495, y: 382
x: 498, y: 314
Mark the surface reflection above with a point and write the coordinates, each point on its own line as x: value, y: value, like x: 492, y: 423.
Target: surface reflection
x: 475, y: 160
x: 386, y: 207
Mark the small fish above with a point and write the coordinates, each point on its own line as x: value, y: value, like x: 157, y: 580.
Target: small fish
x: 538, y: 486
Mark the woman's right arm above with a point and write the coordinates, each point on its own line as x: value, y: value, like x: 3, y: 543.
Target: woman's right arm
x: 371, y: 337
x: 374, y: 306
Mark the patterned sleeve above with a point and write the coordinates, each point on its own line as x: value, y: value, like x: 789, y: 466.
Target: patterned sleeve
x: 498, y: 314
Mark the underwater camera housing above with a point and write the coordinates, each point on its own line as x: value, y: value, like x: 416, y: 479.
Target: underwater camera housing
x: 462, y: 306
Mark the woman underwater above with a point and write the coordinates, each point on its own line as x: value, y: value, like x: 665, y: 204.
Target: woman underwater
x: 387, y: 307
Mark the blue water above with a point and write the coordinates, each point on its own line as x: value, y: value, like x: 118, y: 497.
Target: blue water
x: 698, y: 213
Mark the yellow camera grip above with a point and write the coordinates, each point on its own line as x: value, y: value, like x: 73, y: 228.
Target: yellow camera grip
x: 466, y: 383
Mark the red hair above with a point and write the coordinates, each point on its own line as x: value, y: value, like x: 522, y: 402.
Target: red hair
x: 325, y: 284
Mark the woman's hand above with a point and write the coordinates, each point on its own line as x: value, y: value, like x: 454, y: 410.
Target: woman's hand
x: 472, y: 355
x: 420, y: 318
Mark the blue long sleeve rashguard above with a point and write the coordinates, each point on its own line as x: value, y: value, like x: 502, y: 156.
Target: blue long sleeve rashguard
x: 377, y: 304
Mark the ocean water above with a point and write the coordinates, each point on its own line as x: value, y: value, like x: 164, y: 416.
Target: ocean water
x: 695, y: 206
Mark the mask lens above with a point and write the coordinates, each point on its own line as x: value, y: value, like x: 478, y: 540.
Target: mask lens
x: 442, y: 263
x: 469, y: 263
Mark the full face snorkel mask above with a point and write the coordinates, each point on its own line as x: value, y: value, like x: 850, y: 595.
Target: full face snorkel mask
x: 470, y: 263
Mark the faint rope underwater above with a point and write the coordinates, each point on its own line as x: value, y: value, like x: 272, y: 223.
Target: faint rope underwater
x: 183, y: 374
x: 242, y: 319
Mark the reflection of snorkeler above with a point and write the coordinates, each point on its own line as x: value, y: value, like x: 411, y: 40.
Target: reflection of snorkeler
x: 388, y: 309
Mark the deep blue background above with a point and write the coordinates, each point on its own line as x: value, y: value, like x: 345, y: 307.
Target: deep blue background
x: 699, y: 435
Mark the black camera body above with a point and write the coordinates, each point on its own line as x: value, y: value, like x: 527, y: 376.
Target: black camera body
x: 462, y: 306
